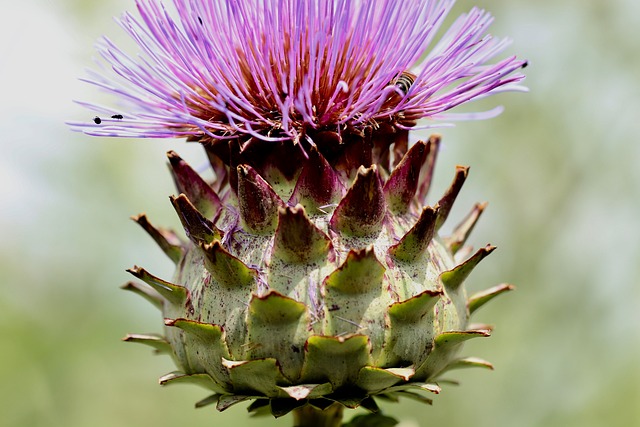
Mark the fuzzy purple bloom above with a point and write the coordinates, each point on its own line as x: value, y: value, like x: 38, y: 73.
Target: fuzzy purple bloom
x: 274, y: 69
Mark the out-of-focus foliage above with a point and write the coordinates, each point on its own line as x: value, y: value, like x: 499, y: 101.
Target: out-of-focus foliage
x: 559, y: 169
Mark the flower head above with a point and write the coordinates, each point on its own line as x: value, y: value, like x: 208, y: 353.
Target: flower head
x: 279, y: 69
x: 314, y: 276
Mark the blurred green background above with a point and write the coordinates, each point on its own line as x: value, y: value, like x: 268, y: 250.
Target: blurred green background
x: 559, y: 168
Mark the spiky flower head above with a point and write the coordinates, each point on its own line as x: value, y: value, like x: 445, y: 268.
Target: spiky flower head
x: 314, y: 275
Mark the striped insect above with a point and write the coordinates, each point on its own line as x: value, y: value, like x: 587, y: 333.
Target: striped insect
x: 404, y: 81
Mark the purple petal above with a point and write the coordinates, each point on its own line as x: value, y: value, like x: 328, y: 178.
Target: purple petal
x: 270, y: 69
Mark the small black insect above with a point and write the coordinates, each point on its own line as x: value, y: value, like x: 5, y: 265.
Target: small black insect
x: 200, y: 20
x: 117, y: 116
x: 97, y: 120
x: 404, y: 81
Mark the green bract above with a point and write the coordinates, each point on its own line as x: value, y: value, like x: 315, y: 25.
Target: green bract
x: 314, y: 275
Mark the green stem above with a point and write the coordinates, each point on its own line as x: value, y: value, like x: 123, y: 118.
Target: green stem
x: 308, y: 416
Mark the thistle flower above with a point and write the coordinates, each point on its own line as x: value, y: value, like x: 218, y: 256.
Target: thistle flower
x: 314, y: 276
x: 277, y: 70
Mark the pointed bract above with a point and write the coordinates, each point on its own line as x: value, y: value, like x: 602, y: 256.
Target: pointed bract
x: 417, y: 239
x: 173, y: 293
x: 167, y: 240
x: 297, y: 239
x: 318, y: 185
x: 190, y: 183
x: 414, y: 396
x: 219, y: 169
x: 354, y: 295
x: 304, y: 391
x: 409, y: 334
x: 454, y: 278
x: 446, y: 344
x: 430, y: 387
x: 275, y: 315
x: 159, y: 343
x: 205, y: 348
x: 428, y: 167
x: 202, y: 380
x: 376, y: 379
x: 402, y: 185
x: 257, y: 201
x: 258, y: 377
x: 225, y: 401
x: 459, y: 236
x: 225, y: 268
x: 335, y: 359
x: 446, y: 202
x: 479, y: 299
x: 469, y: 362
x: 198, y: 228
x: 355, y: 155
x: 400, y: 147
x: 358, y: 274
x: 361, y: 211
x: 145, y: 292
x: 279, y: 162
x: 381, y: 141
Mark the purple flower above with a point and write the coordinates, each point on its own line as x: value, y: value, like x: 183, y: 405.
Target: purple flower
x: 276, y: 69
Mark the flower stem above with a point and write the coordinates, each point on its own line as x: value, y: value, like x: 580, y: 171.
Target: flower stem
x: 308, y: 416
